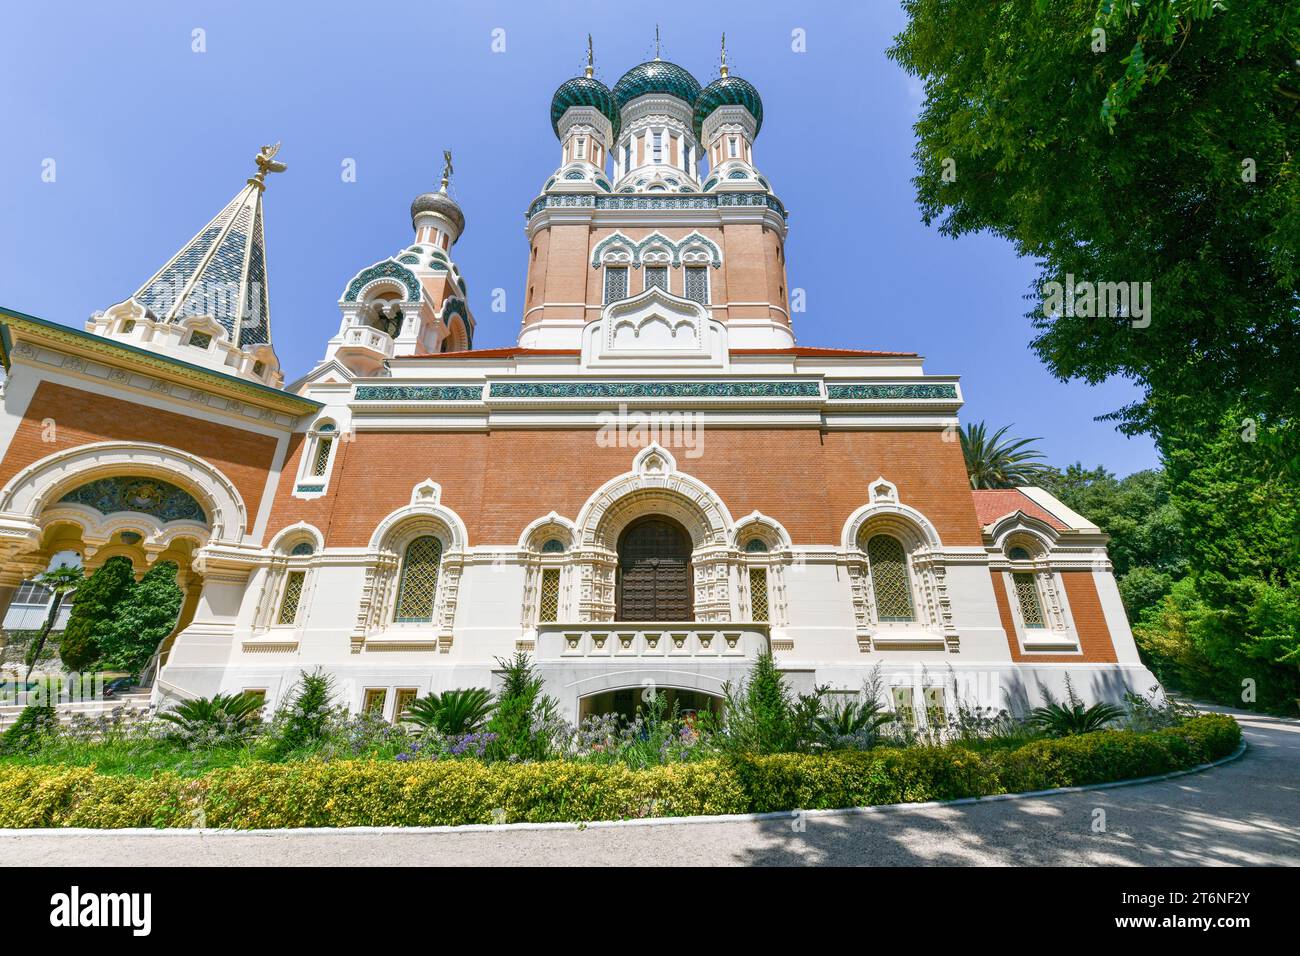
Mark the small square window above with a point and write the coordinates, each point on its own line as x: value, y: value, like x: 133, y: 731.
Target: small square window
x: 936, y: 714
x: 373, y: 702
x: 200, y: 340
x: 402, y: 701
x: 904, y: 711
x: 259, y: 368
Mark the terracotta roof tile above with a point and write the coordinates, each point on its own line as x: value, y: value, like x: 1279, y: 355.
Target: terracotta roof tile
x: 992, y: 503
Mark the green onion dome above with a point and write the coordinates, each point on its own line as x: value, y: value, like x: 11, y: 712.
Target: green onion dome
x: 656, y: 76
x: 727, y: 91
x: 583, y: 91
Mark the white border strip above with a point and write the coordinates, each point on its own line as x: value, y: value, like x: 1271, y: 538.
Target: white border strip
x: 595, y: 824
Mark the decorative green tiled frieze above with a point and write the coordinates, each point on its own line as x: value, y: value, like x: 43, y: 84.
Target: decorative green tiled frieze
x: 863, y: 391
x: 310, y: 489
x: 419, y: 393
x: 387, y: 269
x: 637, y: 201
x: 654, y: 390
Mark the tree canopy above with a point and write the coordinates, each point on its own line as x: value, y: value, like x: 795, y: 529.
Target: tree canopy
x: 1159, y: 150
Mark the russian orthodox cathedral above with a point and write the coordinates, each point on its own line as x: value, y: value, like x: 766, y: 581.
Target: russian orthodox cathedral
x: 653, y: 487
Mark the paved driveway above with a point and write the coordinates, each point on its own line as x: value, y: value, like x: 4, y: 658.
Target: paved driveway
x: 1246, y: 812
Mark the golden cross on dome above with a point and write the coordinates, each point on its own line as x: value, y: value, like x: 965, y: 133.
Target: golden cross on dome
x: 446, y: 168
x: 591, y: 60
x: 724, y: 54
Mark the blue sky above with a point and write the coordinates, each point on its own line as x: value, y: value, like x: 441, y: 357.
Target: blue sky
x: 150, y: 139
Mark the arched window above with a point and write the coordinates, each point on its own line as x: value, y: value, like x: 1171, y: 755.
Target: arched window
x: 1019, y: 554
x: 553, y: 546
x: 756, y: 546
x: 654, y: 571
x: 419, y: 583
x: 889, y: 579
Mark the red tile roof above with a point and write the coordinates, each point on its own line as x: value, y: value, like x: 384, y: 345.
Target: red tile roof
x: 508, y: 352
x: 992, y: 503
x: 808, y: 351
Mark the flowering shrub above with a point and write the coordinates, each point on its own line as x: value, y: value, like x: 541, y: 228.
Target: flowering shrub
x: 429, y: 792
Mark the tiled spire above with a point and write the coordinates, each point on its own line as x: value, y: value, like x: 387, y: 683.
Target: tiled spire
x: 221, y: 272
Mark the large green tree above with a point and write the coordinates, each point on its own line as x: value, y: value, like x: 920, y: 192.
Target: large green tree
x: 145, y: 615
x: 1117, y: 141
x: 92, y: 614
x: 1145, y: 527
x: 1160, y: 150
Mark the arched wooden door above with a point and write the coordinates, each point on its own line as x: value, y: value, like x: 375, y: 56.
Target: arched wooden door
x: 654, y: 571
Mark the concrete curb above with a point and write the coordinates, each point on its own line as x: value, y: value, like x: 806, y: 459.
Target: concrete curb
x: 599, y: 824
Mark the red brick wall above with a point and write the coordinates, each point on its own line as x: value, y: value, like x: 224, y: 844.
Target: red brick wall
x: 83, y: 417
x: 499, y: 482
x: 1085, y: 605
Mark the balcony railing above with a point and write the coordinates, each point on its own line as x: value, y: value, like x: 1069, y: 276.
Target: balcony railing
x: 670, y: 639
x: 365, y: 337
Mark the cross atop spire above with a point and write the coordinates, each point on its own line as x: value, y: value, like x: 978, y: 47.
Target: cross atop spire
x: 446, y: 170
x: 724, y: 55
x: 656, y: 41
x: 591, y: 60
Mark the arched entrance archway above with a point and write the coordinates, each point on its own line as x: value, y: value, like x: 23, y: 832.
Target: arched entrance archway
x: 654, y: 571
x: 625, y: 702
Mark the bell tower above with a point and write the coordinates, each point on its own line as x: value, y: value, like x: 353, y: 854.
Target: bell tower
x: 628, y: 212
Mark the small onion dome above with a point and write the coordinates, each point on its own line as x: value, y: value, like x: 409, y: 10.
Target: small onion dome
x: 728, y: 91
x: 584, y: 91
x: 656, y: 76
x: 439, y: 203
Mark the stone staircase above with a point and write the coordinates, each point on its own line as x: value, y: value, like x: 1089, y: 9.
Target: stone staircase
x: 136, y: 698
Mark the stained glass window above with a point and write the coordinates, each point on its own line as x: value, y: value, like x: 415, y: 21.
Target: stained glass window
x: 697, y: 284
x: 758, y: 593
x: 1031, y: 610
x: 292, y: 595
x: 419, y: 583
x: 303, y: 548
x: 615, y: 283
x: 889, y: 578
x: 322, y: 459
x: 549, y: 605
x: 656, y: 276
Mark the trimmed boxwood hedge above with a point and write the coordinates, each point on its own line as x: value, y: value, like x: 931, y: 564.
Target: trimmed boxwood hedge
x: 374, y: 793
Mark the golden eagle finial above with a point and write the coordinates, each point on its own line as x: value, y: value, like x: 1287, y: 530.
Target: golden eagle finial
x: 267, y: 163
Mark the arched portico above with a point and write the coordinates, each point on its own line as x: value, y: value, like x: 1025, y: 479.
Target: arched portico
x: 140, y: 501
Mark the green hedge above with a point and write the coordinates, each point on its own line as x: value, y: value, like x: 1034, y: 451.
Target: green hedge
x: 373, y: 793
